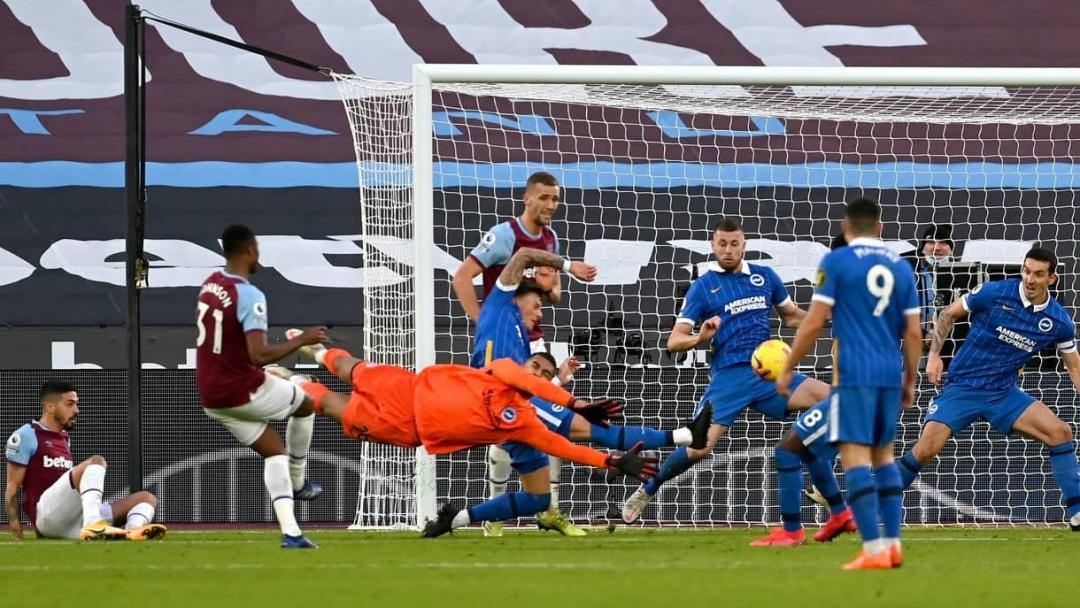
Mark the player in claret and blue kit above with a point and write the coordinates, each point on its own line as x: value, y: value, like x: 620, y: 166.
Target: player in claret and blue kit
x: 1011, y: 320
x: 231, y: 318
x: 870, y: 293
x: 732, y: 303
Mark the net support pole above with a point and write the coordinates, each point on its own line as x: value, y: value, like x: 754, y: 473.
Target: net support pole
x: 423, y: 271
x: 134, y: 191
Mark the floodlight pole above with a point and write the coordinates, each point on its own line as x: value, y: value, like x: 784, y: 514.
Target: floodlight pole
x: 135, y: 193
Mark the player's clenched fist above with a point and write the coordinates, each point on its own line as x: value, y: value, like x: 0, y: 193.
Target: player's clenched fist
x: 634, y: 464
x: 708, y: 329
x: 584, y: 271
x: 313, y: 335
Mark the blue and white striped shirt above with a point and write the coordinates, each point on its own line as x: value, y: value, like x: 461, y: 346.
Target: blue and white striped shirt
x: 742, y: 299
x: 1006, y: 331
x: 871, y: 291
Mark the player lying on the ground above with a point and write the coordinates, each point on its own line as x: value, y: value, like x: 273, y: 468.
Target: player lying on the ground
x: 230, y: 350
x: 1011, y: 320
x: 807, y: 443
x: 509, y: 313
x: 870, y: 293
x: 447, y: 408
x: 63, y: 499
x: 731, y: 302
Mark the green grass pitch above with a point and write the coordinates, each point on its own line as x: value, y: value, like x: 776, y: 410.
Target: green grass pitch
x: 665, y: 568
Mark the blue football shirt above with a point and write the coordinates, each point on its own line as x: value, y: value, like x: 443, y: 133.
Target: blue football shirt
x: 742, y: 299
x: 1006, y: 331
x: 871, y: 291
x: 500, y: 329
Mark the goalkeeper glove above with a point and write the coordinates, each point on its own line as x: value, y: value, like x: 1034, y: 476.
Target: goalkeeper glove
x: 634, y: 464
x: 598, y: 412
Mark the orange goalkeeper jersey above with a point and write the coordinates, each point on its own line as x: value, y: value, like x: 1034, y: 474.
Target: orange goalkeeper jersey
x: 459, y: 407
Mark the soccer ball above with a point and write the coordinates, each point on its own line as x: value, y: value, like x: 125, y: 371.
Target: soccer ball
x: 769, y: 358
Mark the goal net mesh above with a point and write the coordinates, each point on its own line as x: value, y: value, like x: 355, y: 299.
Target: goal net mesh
x: 646, y: 171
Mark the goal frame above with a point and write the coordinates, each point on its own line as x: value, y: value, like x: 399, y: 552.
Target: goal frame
x: 424, y: 76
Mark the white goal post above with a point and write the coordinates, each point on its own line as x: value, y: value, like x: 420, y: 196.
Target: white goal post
x: 649, y: 156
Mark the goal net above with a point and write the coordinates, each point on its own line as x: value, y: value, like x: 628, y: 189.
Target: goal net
x: 647, y: 166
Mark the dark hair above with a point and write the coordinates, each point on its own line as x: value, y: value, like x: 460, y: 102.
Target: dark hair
x: 541, y: 177
x: 1042, y: 254
x: 940, y: 232
x: 728, y: 224
x: 235, y: 239
x: 545, y: 356
x: 528, y: 287
x: 862, y: 214
x: 54, y: 388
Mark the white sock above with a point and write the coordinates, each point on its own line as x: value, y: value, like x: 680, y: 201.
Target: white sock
x: 872, y: 547
x: 90, y: 488
x: 889, y: 542
x: 461, y: 519
x: 682, y: 436
x: 555, y: 474
x: 276, y: 478
x: 499, y: 469
x: 139, y: 515
x: 297, y: 440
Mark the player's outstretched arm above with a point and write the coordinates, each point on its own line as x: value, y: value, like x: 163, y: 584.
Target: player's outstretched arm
x: 808, y: 333
x: 527, y: 258
x: 514, y: 375
x: 942, y: 329
x: 629, y: 463
x: 1072, y: 364
x: 15, y: 475
x: 262, y: 353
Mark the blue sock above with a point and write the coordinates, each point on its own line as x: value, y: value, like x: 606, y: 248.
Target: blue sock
x: 789, y: 478
x: 1063, y: 466
x: 862, y: 495
x: 624, y: 437
x: 909, y: 469
x: 509, y: 506
x: 824, y: 479
x: 890, y: 498
x: 674, y: 465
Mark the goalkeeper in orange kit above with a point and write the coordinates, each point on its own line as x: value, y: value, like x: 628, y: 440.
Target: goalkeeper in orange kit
x: 447, y: 408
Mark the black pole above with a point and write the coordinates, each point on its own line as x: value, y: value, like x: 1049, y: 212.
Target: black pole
x: 135, y: 193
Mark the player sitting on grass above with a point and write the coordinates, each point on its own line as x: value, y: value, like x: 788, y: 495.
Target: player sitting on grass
x: 447, y: 408
x: 63, y: 499
x: 732, y: 302
x: 807, y: 443
x: 1011, y: 320
x: 509, y: 313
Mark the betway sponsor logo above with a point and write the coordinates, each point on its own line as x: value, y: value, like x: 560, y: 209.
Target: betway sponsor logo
x: 744, y: 304
x: 1012, y: 338
x: 58, y: 462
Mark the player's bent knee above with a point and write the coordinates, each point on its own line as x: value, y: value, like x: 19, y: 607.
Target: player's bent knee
x: 97, y: 459
x: 146, y: 497
x: 1060, y: 433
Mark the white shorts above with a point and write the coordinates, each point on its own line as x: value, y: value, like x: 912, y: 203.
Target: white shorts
x: 276, y: 399
x: 59, y: 510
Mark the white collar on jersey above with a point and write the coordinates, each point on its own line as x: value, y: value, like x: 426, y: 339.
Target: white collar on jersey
x: 869, y: 241
x: 715, y: 267
x: 1027, y: 303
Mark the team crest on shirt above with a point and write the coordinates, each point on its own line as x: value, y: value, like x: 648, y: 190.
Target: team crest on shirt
x: 757, y: 280
x: 932, y: 408
x: 1045, y: 325
x: 509, y: 415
